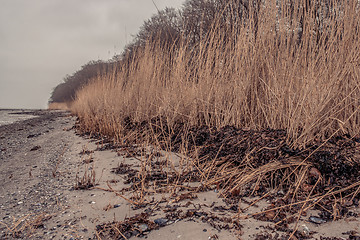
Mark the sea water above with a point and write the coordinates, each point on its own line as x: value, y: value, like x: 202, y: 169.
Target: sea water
x: 14, y: 115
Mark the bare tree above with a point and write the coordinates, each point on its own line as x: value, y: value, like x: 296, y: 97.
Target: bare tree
x: 164, y: 26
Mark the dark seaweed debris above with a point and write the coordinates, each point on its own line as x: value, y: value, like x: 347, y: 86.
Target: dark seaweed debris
x: 333, y: 164
x: 133, y: 226
x: 140, y: 224
x: 337, y: 159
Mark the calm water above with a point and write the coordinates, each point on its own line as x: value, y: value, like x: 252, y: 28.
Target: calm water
x: 11, y: 116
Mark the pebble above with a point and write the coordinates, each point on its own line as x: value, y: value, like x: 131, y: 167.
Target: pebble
x: 306, y: 230
x: 316, y: 220
x: 161, y: 221
x: 143, y: 227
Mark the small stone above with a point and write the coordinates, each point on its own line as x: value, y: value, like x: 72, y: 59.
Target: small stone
x: 306, y: 230
x: 316, y: 220
x: 161, y: 221
x: 35, y: 148
x: 143, y: 227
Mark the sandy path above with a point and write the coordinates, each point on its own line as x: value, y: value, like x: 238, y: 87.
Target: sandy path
x: 40, y: 160
x: 30, y: 153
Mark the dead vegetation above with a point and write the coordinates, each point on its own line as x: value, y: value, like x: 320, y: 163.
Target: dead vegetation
x: 255, y: 111
x: 26, y: 226
x: 238, y: 164
x: 59, y: 106
x: 87, y: 180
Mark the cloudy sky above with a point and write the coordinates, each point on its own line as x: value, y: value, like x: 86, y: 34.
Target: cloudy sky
x: 43, y: 40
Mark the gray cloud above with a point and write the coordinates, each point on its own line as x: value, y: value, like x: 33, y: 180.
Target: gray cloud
x: 43, y: 40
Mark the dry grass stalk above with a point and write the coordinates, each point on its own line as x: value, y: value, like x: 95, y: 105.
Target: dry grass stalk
x: 27, y: 225
x: 313, y: 200
x: 87, y: 181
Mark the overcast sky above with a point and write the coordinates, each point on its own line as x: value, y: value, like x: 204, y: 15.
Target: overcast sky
x: 43, y: 40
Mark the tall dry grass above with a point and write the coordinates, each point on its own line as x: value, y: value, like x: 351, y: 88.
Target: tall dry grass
x: 59, y: 106
x: 259, y: 74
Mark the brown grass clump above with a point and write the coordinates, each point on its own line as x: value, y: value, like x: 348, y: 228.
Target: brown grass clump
x: 59, y: 106
x: 27, y: 225
x: 87, y: 181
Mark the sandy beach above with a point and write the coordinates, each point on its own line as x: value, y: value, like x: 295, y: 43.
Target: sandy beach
x: 56, y: 184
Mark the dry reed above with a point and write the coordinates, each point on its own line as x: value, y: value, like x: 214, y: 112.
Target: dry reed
x: 59, y: 106
x: 271, y: 80
x: 256, y: 76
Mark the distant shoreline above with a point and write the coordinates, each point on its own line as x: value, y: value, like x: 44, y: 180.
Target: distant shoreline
x: 11, y: 116
x: 22, y: 109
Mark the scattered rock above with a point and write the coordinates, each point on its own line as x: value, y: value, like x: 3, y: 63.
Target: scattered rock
x: 316, y: 220
x: 143, y: 227
x: 33, y: 135
x: 35, y: 148
x: 161, y: 221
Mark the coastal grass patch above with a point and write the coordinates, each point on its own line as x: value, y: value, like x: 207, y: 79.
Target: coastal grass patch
x: 272, y: 75
x: 264, y: 105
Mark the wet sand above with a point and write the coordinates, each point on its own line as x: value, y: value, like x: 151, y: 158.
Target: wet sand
x: 9, y: 116
x: 43, y: 161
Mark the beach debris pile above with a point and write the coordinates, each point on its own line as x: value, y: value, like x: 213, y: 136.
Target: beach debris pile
x: 239, y: 163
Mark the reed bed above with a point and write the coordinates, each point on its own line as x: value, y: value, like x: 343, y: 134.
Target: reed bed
x: 264, y: 73
x: 232, y: 77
